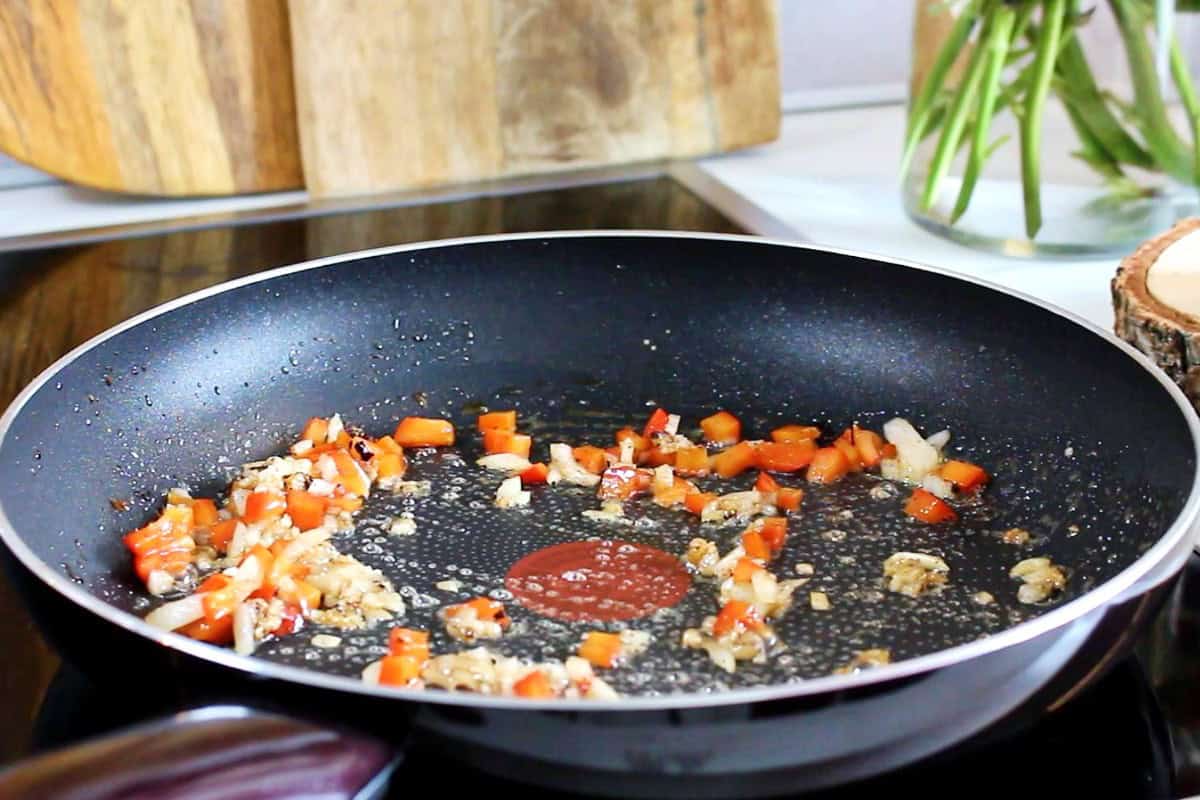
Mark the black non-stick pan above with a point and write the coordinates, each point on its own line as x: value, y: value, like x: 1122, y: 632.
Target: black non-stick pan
x: 1092, y: 451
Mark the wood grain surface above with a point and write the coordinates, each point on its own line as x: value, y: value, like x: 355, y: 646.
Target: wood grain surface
x: 399, y: 95
x: 164, y: 97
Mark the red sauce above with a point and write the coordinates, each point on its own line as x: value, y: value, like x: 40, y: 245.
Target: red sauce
x: 598, y: 580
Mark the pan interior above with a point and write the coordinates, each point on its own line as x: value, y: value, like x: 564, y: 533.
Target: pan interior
x: 583, y: 335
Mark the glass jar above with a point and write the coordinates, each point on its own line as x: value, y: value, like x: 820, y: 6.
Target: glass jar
x: 1038, y: 128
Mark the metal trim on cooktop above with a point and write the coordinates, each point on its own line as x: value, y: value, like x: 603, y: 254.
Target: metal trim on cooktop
x: 688, y: 174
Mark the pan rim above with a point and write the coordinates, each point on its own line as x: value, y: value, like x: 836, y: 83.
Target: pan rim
x: 1055, y: 619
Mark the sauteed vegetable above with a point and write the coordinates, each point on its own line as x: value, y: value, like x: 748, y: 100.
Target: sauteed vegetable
x: 261, y: 562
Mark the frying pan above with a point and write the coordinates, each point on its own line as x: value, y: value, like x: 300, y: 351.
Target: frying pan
x: 1092, y: 450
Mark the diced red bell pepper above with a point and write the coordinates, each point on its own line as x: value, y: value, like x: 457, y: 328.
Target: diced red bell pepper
x: 292, y: 621
x: 656, y: 424
x: 301, y: 593
x: 929, y: 508
x: 264, y: 506
x: 789, y: 499
x: 640, y: 443
x: 785, y: 456
x: 424, y: 432
x: 619, y: 482
x: 363, y: 450
x: 722, y: 428
x: 745, y: 568
x: 390, y: 465
x: 498, y: 421
x: 734, y: 460
x: 386, y: 444
x: 536, y: 474
x: 534, y: 686
x: 774, y: 533
x: 675, y: 494
x: 165, y: 544
x: 214, y: 632
x: 868, y: 444
x: 218, y: 580
x: 351, y: 474
x: 399, y: 670
x: 795, y: 433
x: 695, y: 503
x: 829, y: 465
x: 851, y: 453
x: 691, y: 461
x: 755, y: 545
x: 497, y: 441
x: 306, y: 509
x: 601, y: 649
x: 591, y: 458
x: 655, y: 457
x: 408, y: 641
x: 340, y: 501
x: 964, y: 475
x: 316, y: 430
x: 736, y: 613
x: 766, y: 484
x: 204, y: 513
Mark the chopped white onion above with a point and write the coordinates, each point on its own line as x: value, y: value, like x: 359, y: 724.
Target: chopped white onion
x: 159, y: 582
x: 238, y: 498
x: 321, y: 487
x: 937, y: 485
x: 664, y: 477
x: 916, y: 457
x: 326, y: 641
x: 247, y: 578
x: 509, y: 493
x: 939, y: 439
x: 568, y: 468
x: 504, y: 462
x: 327, y: 467
x: 611, y: 512
x: 370, y: 673
x: 672, y: 424
x: 626, y: 451
x: 177, y: 613
x: 238, y: 543
x: 301, y: 447
x: 733, y: 506
x: 403, y: 525
x: 336, y: 426
x: 244, y: 618
x: 294, y: 550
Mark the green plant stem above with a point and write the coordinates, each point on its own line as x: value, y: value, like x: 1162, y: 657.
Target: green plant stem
x: 922, y: 106
x: 1191, y: 103
x: 1091, y: 150
x: 1078, y: 89
x: 1024, y: 16
x: 1035, y: 104
x: 1149, y: 109
x: 999, y: 30
x: 956, y: 121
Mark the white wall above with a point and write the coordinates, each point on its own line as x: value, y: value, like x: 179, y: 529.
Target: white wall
x: 838, y: 51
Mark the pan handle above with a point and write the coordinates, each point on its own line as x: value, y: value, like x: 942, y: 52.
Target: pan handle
x: 230, y: 752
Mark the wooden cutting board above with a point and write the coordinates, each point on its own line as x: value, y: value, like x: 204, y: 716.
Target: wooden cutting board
x: 169, y: 97
x: 414, y: 93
